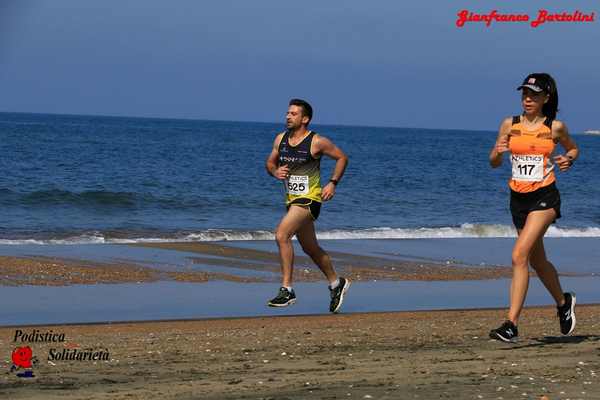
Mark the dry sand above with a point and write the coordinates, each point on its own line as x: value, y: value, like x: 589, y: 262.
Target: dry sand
x: 405, y: 355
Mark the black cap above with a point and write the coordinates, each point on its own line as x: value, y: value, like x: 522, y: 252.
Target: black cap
x: 536, y: 82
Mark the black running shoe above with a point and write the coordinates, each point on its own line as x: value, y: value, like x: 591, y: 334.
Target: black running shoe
x: 284, y: 298
x: 507, y: 332
x: 337, y: 295
x: 566, y: 314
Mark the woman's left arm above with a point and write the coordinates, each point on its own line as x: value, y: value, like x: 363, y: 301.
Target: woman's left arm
x: 561, y: 132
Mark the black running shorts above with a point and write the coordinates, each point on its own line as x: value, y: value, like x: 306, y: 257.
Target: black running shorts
x: 521, y: 204
x: 313, y: 206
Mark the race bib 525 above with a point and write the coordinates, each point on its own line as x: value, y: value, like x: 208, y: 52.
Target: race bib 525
x: 297, y: 185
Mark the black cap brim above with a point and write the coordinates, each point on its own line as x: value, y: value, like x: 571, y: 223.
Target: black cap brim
x: 535, y: 88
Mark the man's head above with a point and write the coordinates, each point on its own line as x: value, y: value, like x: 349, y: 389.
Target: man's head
x: 299, y: 113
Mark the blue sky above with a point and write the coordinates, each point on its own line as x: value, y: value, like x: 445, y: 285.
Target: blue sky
x: 383, y: 63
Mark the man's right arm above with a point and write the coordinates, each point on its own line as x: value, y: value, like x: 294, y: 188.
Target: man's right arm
x: 272, y: 160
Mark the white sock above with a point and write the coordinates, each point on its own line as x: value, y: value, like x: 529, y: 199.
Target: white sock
x: 334, y: 284
x: 289, y: 288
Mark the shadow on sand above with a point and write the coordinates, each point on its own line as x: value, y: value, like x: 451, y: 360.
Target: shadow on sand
x: 553, y: 340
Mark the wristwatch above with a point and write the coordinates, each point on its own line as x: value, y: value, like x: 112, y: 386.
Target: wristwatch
x: 334, y: 181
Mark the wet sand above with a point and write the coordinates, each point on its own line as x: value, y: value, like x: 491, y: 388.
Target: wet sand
x: 46, y: 271
x: 424, y: 355
x: 56, y: 271
x: 235, y: 264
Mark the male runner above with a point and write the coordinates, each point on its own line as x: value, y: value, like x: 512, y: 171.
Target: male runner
x: 295, y: 159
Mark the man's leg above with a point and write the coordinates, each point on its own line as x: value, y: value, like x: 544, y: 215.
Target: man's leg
x: 295, y: 218
x: 337, y: 286
x: 308, y: 240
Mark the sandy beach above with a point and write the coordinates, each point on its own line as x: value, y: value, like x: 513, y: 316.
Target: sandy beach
x: 426, y: 355
x: 353, y: 355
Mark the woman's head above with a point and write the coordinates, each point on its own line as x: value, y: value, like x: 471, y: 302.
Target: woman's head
x: 539, y: 95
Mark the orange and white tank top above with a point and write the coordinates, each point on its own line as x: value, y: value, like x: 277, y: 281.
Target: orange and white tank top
x: 531, y: 156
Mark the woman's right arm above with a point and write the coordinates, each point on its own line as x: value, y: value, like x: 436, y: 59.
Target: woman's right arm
x: 501, y: 145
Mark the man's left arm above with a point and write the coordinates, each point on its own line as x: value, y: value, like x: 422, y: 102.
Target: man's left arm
x: 326, y: 147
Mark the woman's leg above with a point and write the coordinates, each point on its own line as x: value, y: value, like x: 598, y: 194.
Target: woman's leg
x: 535, y: 227
x: 546, y: 272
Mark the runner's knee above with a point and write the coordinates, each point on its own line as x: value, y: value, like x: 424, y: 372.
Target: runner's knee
x: 519, y: 257
x: 283, y: 236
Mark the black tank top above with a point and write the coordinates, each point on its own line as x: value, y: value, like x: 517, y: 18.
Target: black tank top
x: 305, y: 175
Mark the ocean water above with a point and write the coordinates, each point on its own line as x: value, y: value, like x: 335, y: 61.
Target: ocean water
x: 87, y: 179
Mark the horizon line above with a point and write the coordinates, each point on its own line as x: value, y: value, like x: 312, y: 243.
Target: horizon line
x: 223, y: 120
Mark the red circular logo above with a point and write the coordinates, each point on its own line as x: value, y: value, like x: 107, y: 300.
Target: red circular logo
x: 21, y: 357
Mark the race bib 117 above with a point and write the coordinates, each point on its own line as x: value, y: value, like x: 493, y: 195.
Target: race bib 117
x: 527, y: 167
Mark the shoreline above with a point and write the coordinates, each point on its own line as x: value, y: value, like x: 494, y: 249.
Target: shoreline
x: 203, y: 262
x: 39, y: 305
x: 214, y: 280
x: 249, y: 317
